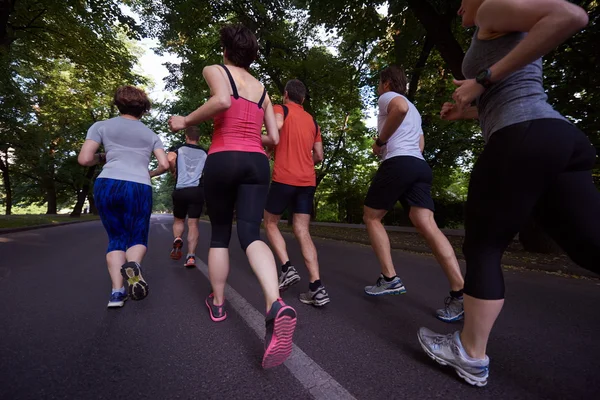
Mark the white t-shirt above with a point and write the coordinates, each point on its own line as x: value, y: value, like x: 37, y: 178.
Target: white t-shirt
x: 405, y: 141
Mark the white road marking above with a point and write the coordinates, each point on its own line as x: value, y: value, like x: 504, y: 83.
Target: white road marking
x: 319, y: 383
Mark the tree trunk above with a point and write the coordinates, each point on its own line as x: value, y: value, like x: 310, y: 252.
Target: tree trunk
x: 7, y: 185
x: 51, y: 198
x: 83, y: 192
x: 93, y: 209
x: 6, y: 8
x: 438, y: 27
x: 534, y: 239
x: 418, y: 70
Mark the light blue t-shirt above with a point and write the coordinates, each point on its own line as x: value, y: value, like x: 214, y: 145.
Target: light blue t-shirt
x: 128, y: 145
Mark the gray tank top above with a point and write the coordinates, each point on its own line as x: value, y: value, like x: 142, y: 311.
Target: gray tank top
x: 517, y: 98
x: 190, y: 164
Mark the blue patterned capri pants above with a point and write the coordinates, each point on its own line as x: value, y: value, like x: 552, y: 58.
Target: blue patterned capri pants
x: 124, y: 209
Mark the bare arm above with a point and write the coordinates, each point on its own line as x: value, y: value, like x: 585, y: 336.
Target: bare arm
x: 422, y: 143
x: 279, y: 118
x: 219, y: 101
x: 172, y: 157
x: 318, y: 152
x: 548, y: 23
x: 397, y: 110
x: 87, y: 155
x: 451, y: 112
x: 163, y: 163
x: 272, y: 137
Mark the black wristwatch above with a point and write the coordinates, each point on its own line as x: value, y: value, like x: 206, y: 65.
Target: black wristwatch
x: 379, y: 143
x: 484, y: 78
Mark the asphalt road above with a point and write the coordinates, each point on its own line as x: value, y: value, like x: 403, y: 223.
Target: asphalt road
x: 58, y: 340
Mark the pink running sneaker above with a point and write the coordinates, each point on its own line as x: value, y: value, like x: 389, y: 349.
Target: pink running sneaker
x: 280, y: 324
x: 217, y: 313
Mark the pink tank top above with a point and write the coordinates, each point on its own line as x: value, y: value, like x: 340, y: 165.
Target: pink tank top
x: 239, y: 127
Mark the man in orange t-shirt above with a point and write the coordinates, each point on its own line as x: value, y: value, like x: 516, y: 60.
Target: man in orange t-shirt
x: 294, y: 183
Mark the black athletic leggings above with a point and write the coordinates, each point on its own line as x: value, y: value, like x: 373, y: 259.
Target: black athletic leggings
x: 540, y: 168
x: 236, y: 180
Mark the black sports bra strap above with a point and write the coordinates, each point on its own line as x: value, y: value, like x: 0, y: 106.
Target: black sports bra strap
x: 262, y: 98
x: 231, y: 81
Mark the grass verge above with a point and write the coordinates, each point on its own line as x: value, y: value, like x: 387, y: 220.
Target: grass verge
x: 20, y: 221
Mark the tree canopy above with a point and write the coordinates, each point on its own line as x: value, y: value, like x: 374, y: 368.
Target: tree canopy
x: 62, y: 61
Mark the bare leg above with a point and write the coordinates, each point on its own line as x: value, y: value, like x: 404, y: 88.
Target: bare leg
x: 262, y: 262
x: 379, y: 240
x: 274, y: 235
x: 218, y: 270
x: 178, y: 227
x: 309, y: 252
x: 480, y: 316
x: 136, y: 253
x: 114, y: 260
x: 422, y: 219
x: 192, y: 236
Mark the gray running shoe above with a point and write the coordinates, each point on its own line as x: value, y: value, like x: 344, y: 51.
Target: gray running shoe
x: 383, y: 287
x: 288, y: 278
x: 453, y: 311
x: 318, y: 298
x: 448, y: 350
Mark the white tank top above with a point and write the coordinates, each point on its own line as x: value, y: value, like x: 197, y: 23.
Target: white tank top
x: 405, y: 141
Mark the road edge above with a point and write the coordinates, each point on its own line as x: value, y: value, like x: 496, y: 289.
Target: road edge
x: 4, y: 231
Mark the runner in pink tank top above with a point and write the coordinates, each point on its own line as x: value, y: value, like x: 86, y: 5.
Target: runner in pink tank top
x: 237, y: 176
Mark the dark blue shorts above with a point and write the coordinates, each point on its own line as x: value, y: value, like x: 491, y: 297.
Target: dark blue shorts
x: 299, y: 199
x: 124, y: 209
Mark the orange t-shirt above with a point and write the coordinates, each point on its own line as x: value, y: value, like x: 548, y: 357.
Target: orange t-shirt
x: 294, y: 163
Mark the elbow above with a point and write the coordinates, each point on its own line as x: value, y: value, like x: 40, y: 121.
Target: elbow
x: 275, y: 140
x: 319, y: 158
x: 85, y: 160
x: 580, y: 18
x: 576, y: 17
x: 223, y: 103
x: 164, y: 165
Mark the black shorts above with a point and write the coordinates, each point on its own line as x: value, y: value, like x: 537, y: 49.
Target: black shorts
x: 403, y: 178
x: 188, y: 202
x: 298, y: 198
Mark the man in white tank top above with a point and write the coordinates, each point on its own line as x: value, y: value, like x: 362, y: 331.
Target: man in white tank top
x: 405, y: 176
x: 187, y: 165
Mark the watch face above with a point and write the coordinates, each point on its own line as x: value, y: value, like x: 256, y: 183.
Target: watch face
x: 482, y: 75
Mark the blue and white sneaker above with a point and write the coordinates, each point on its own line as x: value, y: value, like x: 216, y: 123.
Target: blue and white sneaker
x: 453, y: 310
x: 117, y: 299
x: 448, y: 350
x: 382, y: 287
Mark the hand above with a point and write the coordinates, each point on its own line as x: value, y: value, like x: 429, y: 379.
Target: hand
x: 177, y: 123
x: 451, y: 112
x: 466, y: 92
x: 377, y: 150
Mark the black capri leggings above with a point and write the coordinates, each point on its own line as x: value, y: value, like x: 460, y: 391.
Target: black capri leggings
x: 539, y: 168
x: 236, y: 180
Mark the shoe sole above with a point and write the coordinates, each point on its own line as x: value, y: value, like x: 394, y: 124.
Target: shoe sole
x: 137, y: 288
x: 115, y: 304
x: 192, y: 265
x: 280, y: 347
x: 215, y: 319
x: 453, y: 319
x: 289, y: 283
x: 320, y: 303
x: 470, y: 379
x: 398, y: 291
x: 176, y: 252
